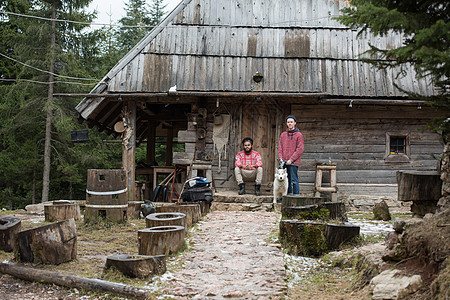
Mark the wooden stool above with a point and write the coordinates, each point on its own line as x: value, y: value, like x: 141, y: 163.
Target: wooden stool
x: 318, y: 183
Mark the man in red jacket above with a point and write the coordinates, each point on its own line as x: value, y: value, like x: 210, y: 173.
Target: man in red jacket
x: 248, y: 167
x: 290, y: 149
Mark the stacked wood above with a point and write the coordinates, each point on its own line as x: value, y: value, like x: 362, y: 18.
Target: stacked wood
x: 423, y: 188
x: 134, y: 209
x: 166, y: 219
x: 9, y: 227
x: 70, y: 281
x: 62, y: 210
x: 162, y: 240
x: 106, y: 195
x: 140, y: 266
x: 51, y: 244
x: 191, y: 210
x: 338, y: 234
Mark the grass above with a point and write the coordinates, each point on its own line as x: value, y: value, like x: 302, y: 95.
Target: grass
x: 96, y: 241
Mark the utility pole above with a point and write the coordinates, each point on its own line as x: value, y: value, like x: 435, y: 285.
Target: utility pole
x: 49, y: 107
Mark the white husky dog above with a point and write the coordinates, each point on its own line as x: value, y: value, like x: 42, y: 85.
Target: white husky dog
x: 280, y: 184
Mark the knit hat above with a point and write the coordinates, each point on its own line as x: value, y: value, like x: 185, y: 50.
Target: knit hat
x: 291, y: 117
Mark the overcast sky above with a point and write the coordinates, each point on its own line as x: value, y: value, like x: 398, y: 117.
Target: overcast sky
x: 113, y: 10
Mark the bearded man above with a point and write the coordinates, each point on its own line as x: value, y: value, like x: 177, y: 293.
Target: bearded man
x: 248, y: 167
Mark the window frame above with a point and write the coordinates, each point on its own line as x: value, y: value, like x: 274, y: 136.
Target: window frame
x: 401, y: 157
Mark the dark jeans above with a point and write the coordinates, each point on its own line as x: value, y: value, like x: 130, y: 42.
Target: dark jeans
x: 293, y: 187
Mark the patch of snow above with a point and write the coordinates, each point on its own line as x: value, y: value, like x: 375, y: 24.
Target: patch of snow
x: 371, y: 227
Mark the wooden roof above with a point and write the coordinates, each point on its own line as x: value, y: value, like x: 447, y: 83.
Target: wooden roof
x: 217, y: 46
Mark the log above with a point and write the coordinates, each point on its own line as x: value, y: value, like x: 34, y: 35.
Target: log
x: 51, y: 244
x: 166, y: 219
x: 191, y: 210
x: 70, y: 281
x: 290, y: 200
x: 140, y: 266
x: 336, y: 209
x: 9, y: 227
x: 303, y: 238
x: 162, y: 240
x: 419, y: 185
x: 338, y: 234
x: 61, y: 210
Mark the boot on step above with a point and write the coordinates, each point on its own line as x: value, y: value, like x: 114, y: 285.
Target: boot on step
x: 241, y: 188
x: 257, y: 189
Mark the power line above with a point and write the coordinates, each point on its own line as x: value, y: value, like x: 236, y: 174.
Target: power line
x: 150, y: 26
x: 40, y: 70
x: 45, y: 82
x: 75, y: 22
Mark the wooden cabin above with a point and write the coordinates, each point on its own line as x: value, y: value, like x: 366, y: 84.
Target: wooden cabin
x: 214, y: 72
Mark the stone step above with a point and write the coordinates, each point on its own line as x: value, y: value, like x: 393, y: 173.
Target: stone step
x: 234, y: 197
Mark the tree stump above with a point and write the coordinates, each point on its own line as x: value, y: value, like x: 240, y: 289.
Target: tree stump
x: 9, y: 227
x: 61, y: 210
x: 162, y: 240
x: 303, y: 238
x: 134, y: 209
x: 297, y: 201
x: 165, y: 219
x: 423, y: 188
x: 322, y: 211
x: 51, y: 244
x: 140, y: 266
x: 191, y: 210
x: 338, y: 234
x: 336, y: 209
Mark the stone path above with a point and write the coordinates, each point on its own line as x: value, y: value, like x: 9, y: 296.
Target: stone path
x: 231, y: 255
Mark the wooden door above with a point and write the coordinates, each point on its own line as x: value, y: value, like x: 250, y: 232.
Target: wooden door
x: 259, y: 123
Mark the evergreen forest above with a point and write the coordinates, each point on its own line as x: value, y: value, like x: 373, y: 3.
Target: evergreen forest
x: 48, y: 47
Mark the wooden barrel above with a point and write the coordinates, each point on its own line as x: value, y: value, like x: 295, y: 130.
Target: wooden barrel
x: 191, y: 210
x: 166, y: 219
x: 161, y: 240
x: 62, y: 210
x: 106, y: 195
x: 9, y: 227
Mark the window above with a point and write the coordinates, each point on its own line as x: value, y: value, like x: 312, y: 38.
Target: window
x: 397, y: 147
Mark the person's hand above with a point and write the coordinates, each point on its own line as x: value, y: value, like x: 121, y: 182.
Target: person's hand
x: 289, y: 162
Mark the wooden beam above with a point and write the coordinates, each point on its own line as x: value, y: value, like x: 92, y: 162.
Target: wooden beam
x: 373, y: 101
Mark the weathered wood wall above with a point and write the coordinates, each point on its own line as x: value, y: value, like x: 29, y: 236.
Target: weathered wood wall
x: 355, y: 139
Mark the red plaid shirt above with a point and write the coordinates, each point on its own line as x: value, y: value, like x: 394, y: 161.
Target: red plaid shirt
x: 253, y: 158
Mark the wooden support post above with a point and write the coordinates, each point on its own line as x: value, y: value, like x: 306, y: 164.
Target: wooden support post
x: 169, y: 147
x: 129, y: 147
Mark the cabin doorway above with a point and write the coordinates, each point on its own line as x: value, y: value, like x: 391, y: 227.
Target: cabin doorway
x: 259, y: 122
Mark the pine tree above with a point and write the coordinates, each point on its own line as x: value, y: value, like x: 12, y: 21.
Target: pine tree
x: 135, y: 25
x: 426, y: 28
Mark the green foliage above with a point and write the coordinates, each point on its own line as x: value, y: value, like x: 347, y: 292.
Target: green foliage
x: 426, y: 29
